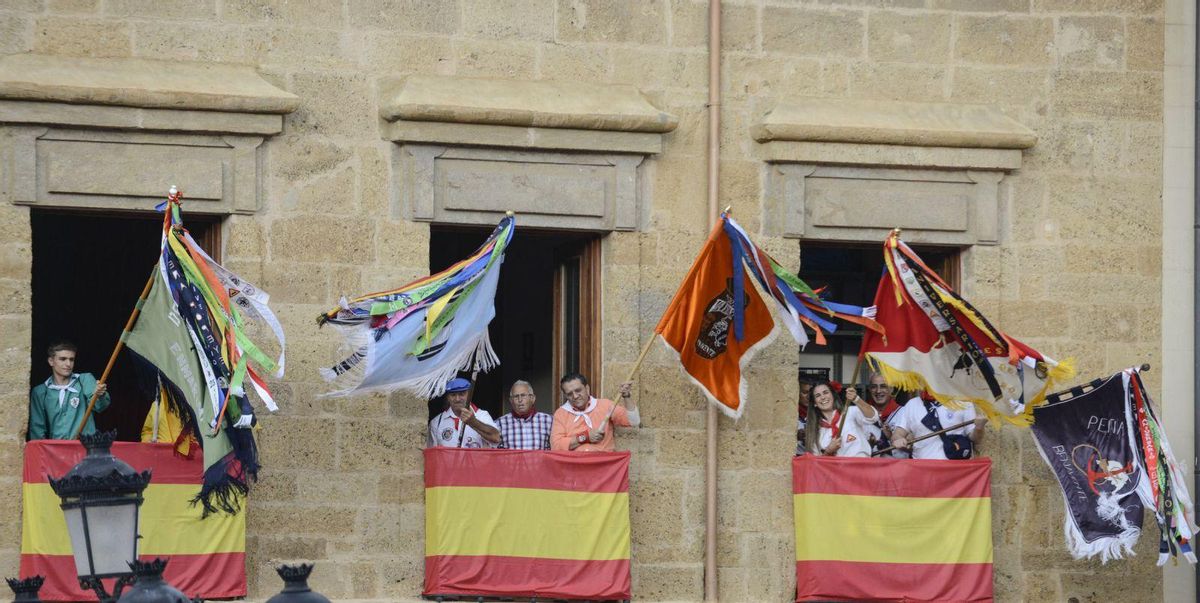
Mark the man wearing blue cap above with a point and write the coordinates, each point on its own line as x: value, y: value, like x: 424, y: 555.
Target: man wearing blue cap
x: 462, y: 424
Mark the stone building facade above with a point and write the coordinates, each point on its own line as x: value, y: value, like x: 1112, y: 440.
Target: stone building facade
x: 325, y: 137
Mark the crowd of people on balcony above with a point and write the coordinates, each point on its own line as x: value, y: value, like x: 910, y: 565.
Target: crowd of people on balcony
x: 582, y: 424
x: 832, y: 420
x: 921, y: 428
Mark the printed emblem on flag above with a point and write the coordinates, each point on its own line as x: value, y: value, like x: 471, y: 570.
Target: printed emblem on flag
x: 714, y: 330
x: 1110, y: 455
x: 717, y: 322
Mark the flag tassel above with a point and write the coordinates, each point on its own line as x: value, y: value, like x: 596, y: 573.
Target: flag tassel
x: 137, y: 309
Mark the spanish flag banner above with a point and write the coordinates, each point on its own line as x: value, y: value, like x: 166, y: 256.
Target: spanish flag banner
x: 892, y: 529
x: 207, y: 557
x: 717, y: 322
x: 516, y: 523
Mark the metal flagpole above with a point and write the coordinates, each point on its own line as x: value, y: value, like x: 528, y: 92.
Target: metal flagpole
x: 711, y: 424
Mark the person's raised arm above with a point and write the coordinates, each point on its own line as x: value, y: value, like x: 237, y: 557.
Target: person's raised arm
x: 486, y: 431
x: 632, y: 417
x: 868, y: 412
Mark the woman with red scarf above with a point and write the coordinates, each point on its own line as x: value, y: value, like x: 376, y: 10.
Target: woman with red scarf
x: 826, y: 434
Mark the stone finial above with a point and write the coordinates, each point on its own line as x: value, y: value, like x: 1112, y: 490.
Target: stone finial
x: 26, y: 590
x: 295, y: 585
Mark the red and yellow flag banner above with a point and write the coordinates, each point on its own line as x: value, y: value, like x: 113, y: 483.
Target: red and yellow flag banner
x: 934, y: 340
x: 515, y: 523
x: 892, y: 529
x: 207, y: 557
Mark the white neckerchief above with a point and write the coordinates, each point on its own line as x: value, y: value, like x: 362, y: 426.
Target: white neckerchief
x: 63, y: 389
x: 582, y: 413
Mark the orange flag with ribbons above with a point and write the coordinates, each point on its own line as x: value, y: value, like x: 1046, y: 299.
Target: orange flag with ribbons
x: 716, y: 322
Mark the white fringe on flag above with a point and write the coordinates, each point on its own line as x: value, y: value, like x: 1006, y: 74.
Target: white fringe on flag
x: 743, y: 364
x: 367, y: 364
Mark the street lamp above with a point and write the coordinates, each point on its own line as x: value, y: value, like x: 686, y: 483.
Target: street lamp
x: 100, y: 500
x: 26, y: 590
x: 150, y: 586
x: 295, y: 585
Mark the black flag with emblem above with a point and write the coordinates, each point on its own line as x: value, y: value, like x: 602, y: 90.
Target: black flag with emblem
x: 1083, y: 436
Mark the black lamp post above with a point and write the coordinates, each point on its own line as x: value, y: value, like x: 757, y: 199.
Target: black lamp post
x: 26, y: 591
x: 100, y: 500
x: 149, y: 587
x: 295, y: 585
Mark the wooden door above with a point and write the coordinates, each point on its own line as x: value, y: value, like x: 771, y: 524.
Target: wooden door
x: 577, y: 333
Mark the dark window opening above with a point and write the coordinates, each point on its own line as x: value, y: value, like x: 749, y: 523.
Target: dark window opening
x: 88, y: 269
x: 546, y: 308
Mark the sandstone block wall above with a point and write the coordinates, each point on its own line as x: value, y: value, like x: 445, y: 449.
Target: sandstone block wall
x: 1077, y: 272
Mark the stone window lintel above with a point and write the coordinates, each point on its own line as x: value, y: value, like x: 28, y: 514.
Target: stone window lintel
x: 561, y: 154
x: 130, y: 128
x: 849, y: 171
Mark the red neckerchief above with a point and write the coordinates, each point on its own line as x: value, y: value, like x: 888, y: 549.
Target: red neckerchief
x: 888, y: 408
x: 834, y: 423
x: 453, y: 414
x: 532, y: 409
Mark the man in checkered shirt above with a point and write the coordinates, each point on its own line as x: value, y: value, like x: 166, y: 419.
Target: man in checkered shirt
x: 524, y: 428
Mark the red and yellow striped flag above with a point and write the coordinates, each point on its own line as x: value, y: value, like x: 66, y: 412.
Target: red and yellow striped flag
x: 892, y: 529
x: 514, y: 523
x: 208, y: 557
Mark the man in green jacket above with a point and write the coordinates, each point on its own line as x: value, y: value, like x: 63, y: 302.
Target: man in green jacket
x: 57, y: 406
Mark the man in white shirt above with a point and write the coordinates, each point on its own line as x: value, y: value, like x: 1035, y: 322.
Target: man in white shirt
x: 462, y: 424
x: 912, y: 422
